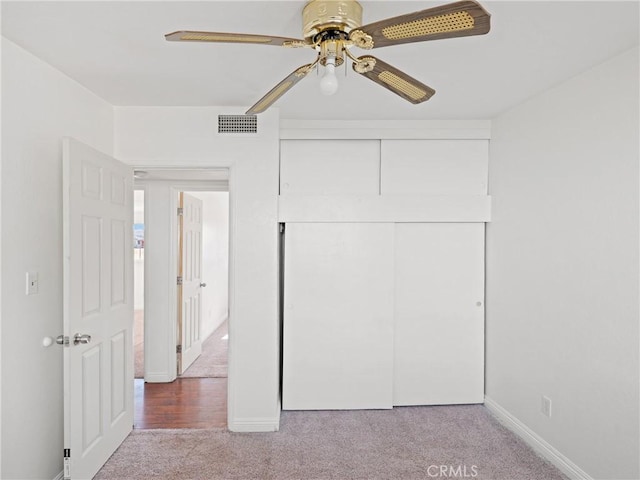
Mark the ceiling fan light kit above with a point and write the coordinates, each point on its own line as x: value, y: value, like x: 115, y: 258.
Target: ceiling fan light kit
x: 329, y: 82
x: 333, y: 27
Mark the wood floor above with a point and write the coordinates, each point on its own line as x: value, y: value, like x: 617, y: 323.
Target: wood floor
x: 184, y: 403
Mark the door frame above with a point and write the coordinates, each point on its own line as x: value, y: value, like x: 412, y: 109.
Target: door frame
x: 180, y: 183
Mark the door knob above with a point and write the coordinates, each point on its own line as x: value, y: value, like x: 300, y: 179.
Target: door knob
x: 203, y: 284
x: 80, y: 338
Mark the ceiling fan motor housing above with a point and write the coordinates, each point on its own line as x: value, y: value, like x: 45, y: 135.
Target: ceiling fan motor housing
x: 321, y: 15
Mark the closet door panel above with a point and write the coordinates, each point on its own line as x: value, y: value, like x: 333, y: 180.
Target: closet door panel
x: 439, y: 314
x: 434, y: 167
x: 338, y: 316
x: 330, y: 167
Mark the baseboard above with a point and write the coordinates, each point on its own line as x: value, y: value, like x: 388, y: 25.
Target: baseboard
x: 60, y: 476
x: 254, y: 424
x: 556, y: 458
x: 159, y: 378
x: 204, y: 339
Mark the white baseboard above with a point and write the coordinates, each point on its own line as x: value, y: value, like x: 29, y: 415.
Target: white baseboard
x: 536, y: 442
x: 60, y: 476
x: 254, y: 424
x: 159, y: 378
x: 206, y: 337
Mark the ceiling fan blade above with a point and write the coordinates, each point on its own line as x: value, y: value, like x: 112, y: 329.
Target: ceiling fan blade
x: 459, y: 19
x: 218, y: 37
x: 281, y: 88
x: 393, y: 79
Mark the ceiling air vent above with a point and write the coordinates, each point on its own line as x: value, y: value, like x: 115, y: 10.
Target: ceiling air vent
x: 237, y: 124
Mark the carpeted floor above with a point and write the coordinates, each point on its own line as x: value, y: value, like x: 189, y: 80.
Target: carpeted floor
x: 212, y: 363
x: 401, y: 444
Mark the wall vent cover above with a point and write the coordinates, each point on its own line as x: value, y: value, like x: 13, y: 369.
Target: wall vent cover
x: 237, y: 124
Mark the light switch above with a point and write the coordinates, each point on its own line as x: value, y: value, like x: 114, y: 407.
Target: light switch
x: 32, y: 283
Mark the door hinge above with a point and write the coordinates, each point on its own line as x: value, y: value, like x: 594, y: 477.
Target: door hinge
x: 282, y: 227
x: 180, y: 211
x: 179, y: 280
x: 62, y: 340
x: 178, y: 348
x: 66, y: 474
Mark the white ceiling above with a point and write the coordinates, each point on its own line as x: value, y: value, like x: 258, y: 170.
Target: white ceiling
x: 117, y: 50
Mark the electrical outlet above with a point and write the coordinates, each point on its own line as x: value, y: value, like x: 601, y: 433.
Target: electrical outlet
x: 545, y: 407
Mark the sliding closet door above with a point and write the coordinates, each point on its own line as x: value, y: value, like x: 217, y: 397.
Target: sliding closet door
x: 338, y: 316
x: 439, y: 314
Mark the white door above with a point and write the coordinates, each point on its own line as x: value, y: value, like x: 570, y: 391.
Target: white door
x: 338, y: 316
x: 190, y: 292
x: 439, y: 314
x: 98, y: 307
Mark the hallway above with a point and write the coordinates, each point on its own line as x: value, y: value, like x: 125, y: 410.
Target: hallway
x: 184, y: 403
x: 197, y: 399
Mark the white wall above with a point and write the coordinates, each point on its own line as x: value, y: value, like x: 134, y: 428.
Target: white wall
x: 187, y: 137
x: 39, y: 106
x: 215, y: 259
x: 562, y: 267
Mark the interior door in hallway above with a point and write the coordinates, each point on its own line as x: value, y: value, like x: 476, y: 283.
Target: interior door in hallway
x: 98, y: 307
x: 190, y: 291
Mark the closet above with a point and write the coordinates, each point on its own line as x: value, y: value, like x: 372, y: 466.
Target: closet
x: 383, y: 297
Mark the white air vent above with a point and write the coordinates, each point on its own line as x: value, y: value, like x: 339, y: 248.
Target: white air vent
x: 237, y: 124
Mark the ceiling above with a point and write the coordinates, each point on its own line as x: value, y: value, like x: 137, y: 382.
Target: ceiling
x: 117, y: 50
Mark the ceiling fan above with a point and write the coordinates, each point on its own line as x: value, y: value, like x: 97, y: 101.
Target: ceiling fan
x: 333, y: 27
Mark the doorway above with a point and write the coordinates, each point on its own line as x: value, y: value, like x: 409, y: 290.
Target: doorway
x: 138, y: 283
x: 197, y: 397
x: 214, y: 292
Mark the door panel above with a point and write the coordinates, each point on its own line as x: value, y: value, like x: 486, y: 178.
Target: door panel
x: 118, y: 379
x: 91, y: 264
x: 330, y: 167
x: 439, y: 314
x: 338, y: 316
x: 434, y: 167
x: 92, y: 382
x: 119, y: 250
x: 191, y: 290
x: 98, y: 302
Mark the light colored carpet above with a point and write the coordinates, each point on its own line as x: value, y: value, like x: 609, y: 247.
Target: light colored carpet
x: 212, y: 363
x: 401, y: 444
